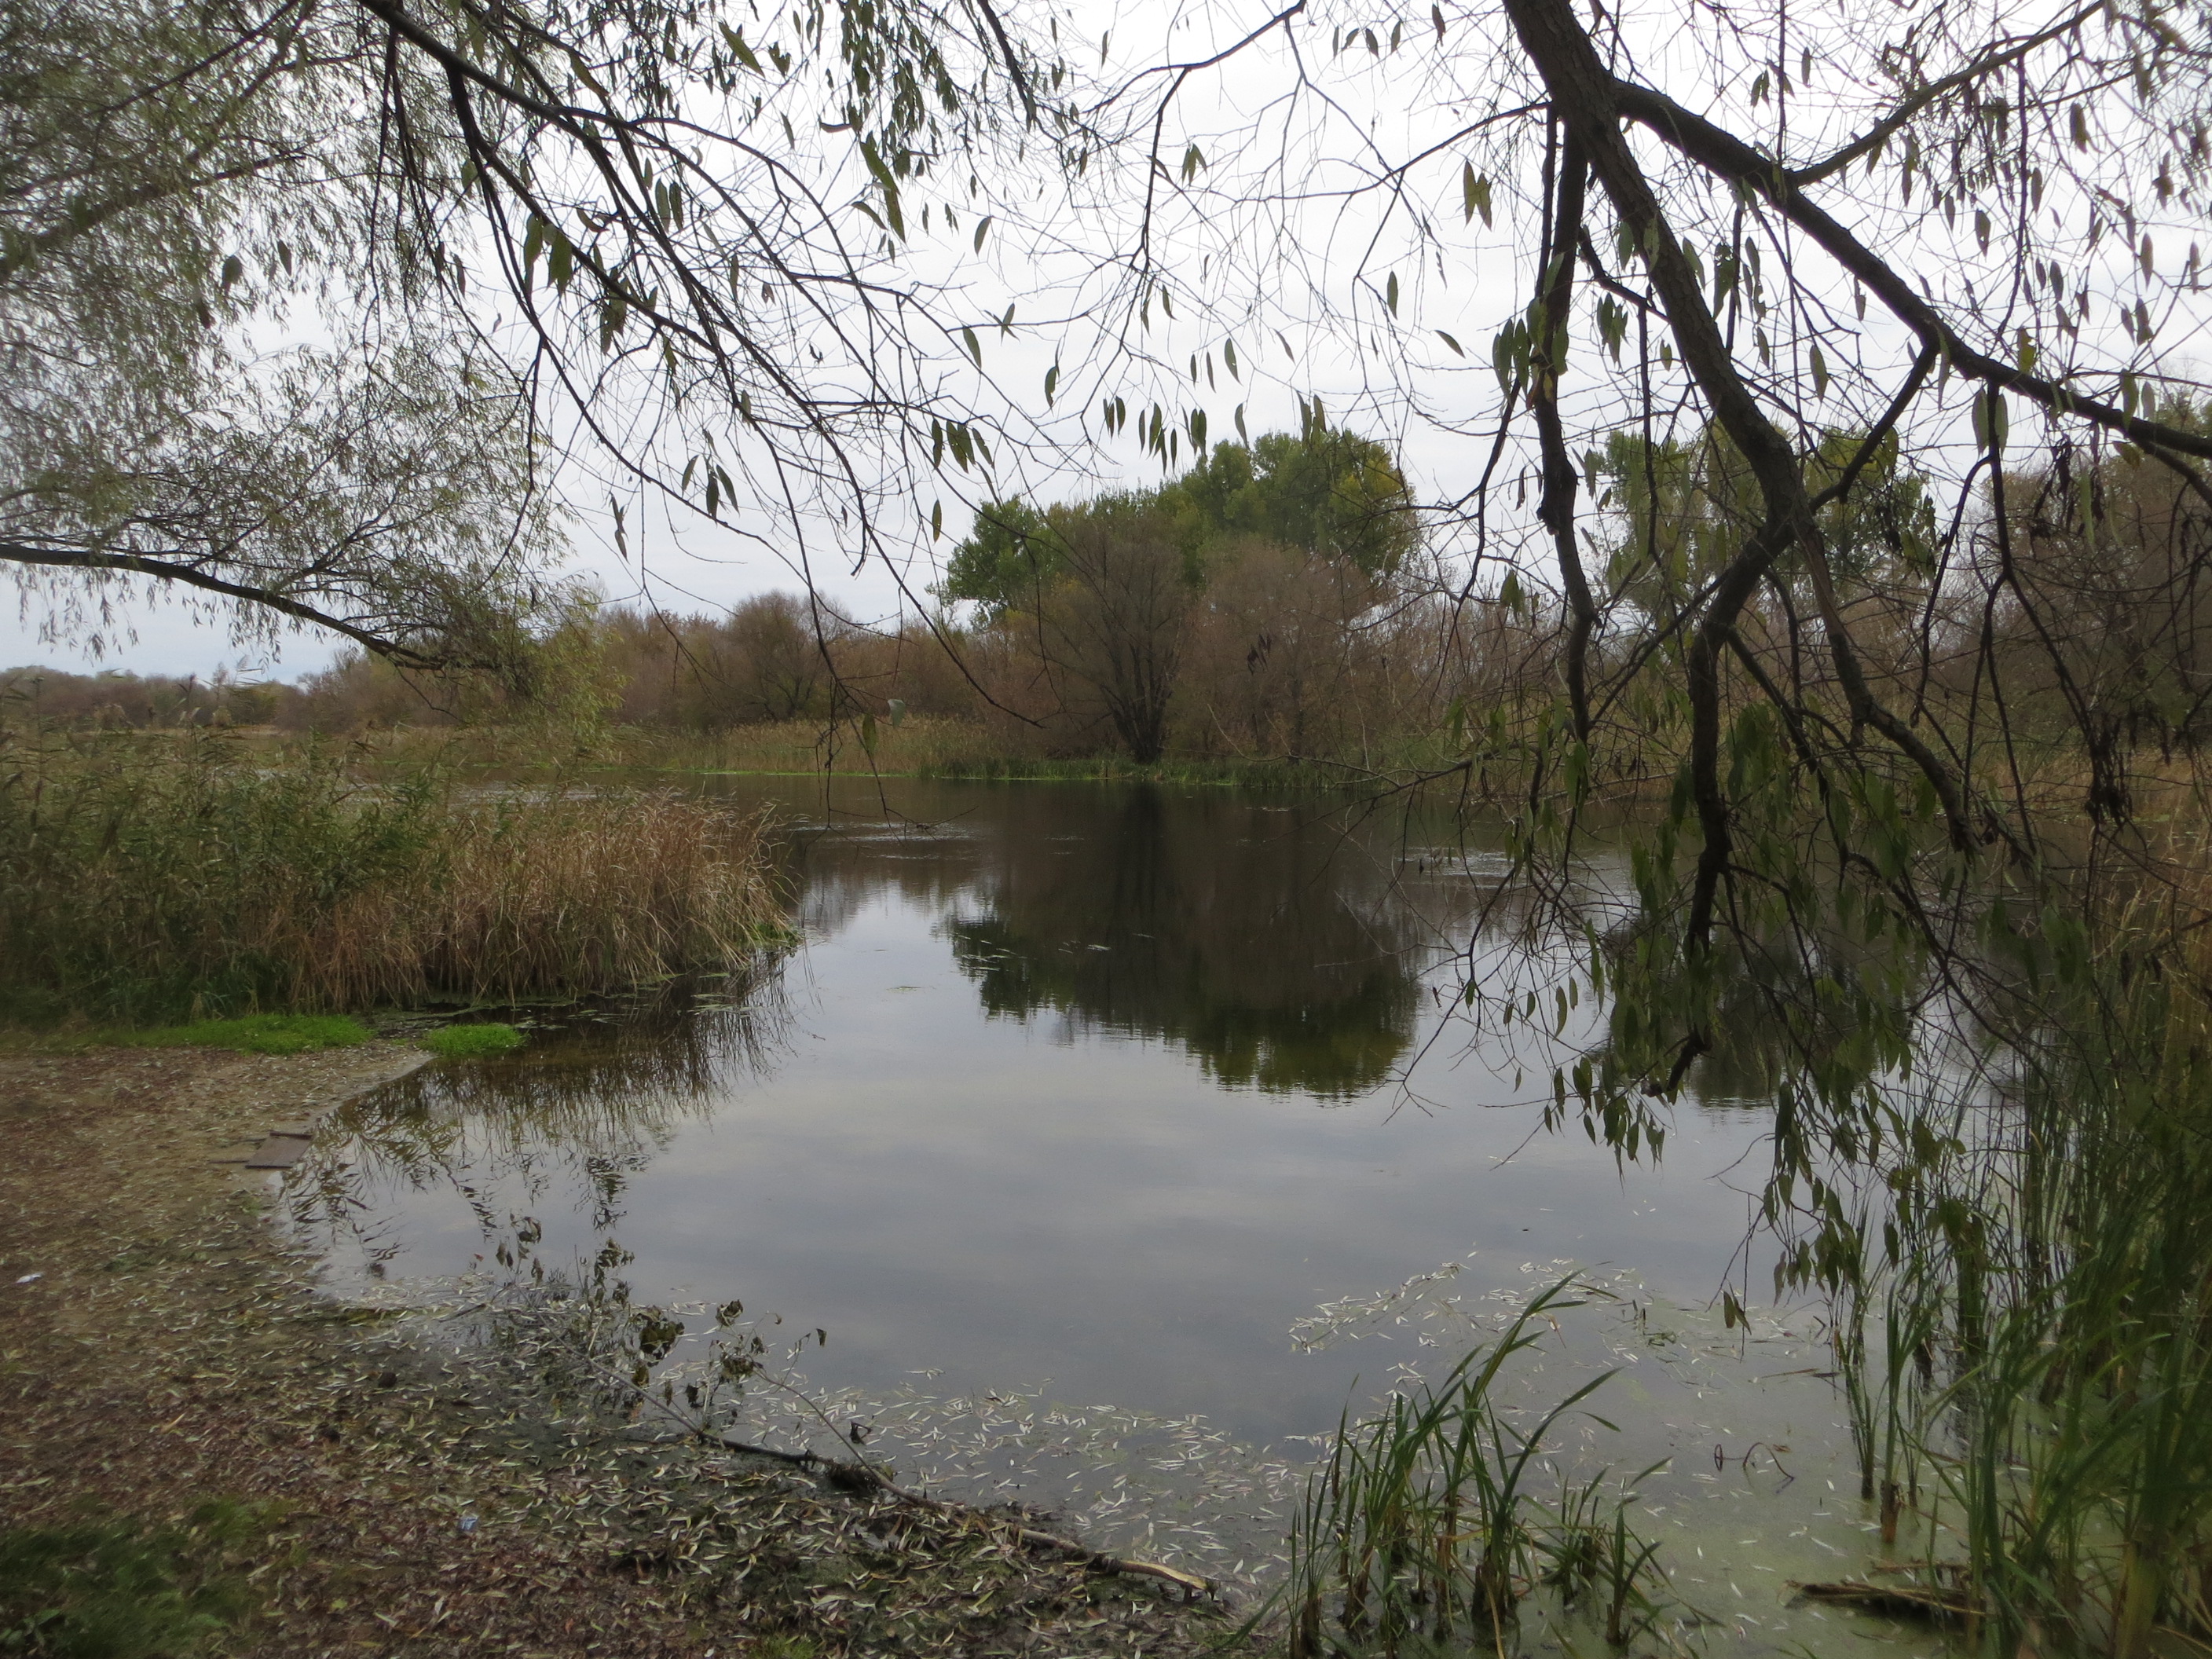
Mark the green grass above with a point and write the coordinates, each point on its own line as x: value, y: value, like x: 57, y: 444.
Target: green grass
x: 253, y: 1034
x: 471, y: 1041
x: 119, y: 1589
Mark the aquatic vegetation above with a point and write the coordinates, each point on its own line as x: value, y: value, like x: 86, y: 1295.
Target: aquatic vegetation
x: 2040, y: 1276
x: 1422, y: 1526
x: 145, y: 879
x: 471, y: 1041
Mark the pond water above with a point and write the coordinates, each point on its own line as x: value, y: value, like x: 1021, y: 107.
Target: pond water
x: 1117, y: 1140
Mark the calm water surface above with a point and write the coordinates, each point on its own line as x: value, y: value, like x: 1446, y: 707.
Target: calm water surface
x: 1091, y: 1096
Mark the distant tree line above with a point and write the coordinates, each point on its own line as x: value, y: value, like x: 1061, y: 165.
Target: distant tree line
x: 1278, y: 599
x: 116, y: 700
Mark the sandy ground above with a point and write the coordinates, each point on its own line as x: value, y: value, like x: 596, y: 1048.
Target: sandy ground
x: 169, y: 1351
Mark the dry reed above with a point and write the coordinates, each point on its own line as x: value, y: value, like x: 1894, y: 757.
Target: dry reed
x: 543, y: 895
x: 146, y: 880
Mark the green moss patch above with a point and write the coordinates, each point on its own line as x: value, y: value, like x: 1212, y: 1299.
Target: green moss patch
x: 471, y: 1041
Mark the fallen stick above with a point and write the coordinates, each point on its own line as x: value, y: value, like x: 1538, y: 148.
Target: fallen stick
x: 865, y: 1477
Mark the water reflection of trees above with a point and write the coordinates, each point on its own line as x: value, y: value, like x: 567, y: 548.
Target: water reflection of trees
x: 582, y: 1108
x: 1780, y: 1001
x: 1269, y: 945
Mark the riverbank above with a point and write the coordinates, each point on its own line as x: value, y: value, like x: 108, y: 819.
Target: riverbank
x: 938, y: 747
x: 159, y: 1349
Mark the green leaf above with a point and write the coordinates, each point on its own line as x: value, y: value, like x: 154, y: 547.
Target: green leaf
x: 1192, y: 161
x: 981, y: 231
x: 1437, y: 17
x: 743, y: 52
x: 1991, y: 422
x: 1474, y: 193
x: 1051, y: 383
x: 1456, y: 349
x: 1819, y: 374
x: 1241, y: 433
x: 975, y: 346
x: 936, y: 521
x: 1390, y: 293
x: 887, y: 183
x: 1229, y: 357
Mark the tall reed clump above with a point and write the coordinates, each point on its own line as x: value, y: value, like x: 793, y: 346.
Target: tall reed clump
x: 1422, y: 1530
x: 148, y: 878
x: 2026, y: 1318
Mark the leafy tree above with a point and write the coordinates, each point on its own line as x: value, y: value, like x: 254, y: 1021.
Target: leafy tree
x: 1682, y: 509
x: 1102, y: 590
x: 1012, y: 555
x: 491, y: 235
x: 780, y: 671
x: 1325, y: 490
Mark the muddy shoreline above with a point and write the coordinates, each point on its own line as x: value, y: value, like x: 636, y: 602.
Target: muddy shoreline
x: 170, y: 1350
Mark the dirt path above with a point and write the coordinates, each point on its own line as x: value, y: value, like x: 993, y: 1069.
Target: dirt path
x: 170, y: 1351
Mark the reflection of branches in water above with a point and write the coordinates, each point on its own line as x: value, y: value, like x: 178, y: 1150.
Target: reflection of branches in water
x: 939, y: 866
x: 1243, y: 932
x: 1284, y: 941
x: 590, y: 1104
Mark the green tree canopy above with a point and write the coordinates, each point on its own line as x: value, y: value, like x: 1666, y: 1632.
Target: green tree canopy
x: 1325, y: 491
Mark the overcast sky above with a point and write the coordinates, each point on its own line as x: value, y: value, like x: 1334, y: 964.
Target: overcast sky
x: 1351, y: 281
